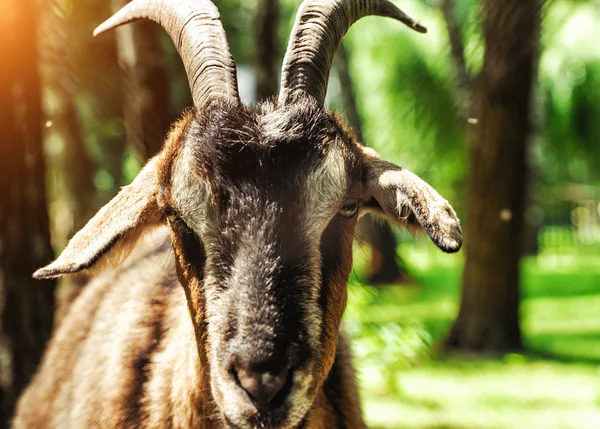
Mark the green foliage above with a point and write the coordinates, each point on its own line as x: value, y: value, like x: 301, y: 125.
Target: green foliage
x: 237, y: 17
x: 408, y: 99
x: 406, y: 91
x: 483, y: 393
x: 569, y: 90
x: 555, y: 384
x: 384, y: 349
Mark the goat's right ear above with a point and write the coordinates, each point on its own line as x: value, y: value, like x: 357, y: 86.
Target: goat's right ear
x: 407, y: 200
x: 113, y: 231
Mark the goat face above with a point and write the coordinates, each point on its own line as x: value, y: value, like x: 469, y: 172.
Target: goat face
x: 262, y: 207
x: 270, y: 200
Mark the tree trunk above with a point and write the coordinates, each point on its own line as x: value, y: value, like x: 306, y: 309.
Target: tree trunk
x: 386, y: 266
x: 77, y: 171
x: 533, y: 204
x: 463, y: 78
x: 489, y: 315
x: 266, y: 49
x: 26, y: 306
x: 109, y: 100
x: 96, y: 67
x: 76, y: 167
x: 147, y: 104
x: 68, y: 65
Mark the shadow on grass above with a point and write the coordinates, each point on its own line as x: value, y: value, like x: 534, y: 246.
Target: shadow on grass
x: 572, y: 348
x: 559, y: 285
x: 580, y: 347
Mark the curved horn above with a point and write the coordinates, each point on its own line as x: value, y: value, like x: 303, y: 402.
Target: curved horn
x: 317, y: 33
x: 197, y: 32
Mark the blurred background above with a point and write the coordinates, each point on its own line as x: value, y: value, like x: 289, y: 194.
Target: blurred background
x: 497, y: 107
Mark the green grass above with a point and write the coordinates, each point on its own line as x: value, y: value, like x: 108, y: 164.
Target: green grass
x: 405, y: 384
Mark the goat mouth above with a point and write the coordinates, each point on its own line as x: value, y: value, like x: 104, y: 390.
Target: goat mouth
x: 230, y: 425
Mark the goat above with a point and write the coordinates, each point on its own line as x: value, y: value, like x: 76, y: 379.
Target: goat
x: 227, y: 315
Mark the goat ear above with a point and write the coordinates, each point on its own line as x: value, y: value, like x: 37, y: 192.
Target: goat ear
x: 408, y: 201
x: 113, y: 231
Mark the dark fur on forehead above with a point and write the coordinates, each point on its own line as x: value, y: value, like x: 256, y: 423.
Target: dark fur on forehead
x: 302, y: 121
x: 234, y: 144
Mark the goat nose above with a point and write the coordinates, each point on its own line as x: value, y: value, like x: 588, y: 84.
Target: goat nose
x: 262, y: 386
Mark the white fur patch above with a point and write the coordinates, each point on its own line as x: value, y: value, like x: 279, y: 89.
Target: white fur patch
x: 299, y: 402
x: 326, y: 188
x: 190, y: 191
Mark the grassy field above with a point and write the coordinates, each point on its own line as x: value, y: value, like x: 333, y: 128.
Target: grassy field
x: 406, y: 384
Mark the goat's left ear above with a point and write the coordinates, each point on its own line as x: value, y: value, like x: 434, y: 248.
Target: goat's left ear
x: 408, y: 201
x: 111, y: 234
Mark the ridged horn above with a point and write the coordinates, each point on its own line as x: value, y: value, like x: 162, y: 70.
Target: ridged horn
x: 197, y: 32
x: 319, y: 28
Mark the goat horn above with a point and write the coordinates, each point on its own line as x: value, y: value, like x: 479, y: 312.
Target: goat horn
x: 197, y: 32
x: 317, y: 33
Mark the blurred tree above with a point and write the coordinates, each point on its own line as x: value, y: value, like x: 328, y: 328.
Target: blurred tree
x: 457, y: 48
x: 84, y: 80
x: 76, y: 167
x: 499, y: 129
x: 266, y: 58
x: 408, y: 101
x: 78, y: 197
x: 180, y: 95
x: 26, y: 306
x: 145, y: 81
x: 99, y: 95
x: 464, y: 84
x: 385, y: 263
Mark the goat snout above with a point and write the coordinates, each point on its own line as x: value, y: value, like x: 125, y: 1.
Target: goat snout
x: 262, y: 387
x: 261, y: 382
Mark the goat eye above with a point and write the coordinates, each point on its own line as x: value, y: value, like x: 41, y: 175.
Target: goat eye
x: 349, y: 208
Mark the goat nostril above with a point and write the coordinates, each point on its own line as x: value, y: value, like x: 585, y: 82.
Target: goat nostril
x: 261, y: 386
